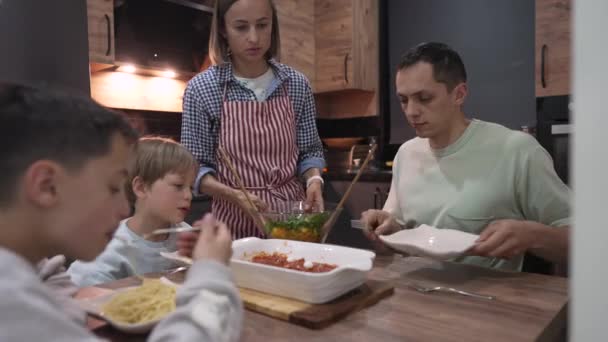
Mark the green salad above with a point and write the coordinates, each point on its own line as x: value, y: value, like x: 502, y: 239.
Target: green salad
x: 302, y: 227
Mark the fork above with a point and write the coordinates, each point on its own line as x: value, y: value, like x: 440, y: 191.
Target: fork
x: 179, y: 269
x: 171, y: 230
x: 448, y: 289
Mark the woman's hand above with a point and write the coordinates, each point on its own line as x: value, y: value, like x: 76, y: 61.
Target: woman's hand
x: 314, y: 197
x: 314, y: 190
x: 239, y: 198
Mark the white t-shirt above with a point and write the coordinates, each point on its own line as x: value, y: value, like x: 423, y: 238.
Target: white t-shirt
x: 259, y: 85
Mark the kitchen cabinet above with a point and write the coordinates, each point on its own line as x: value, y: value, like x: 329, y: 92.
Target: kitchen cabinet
x: 100, y: 15
x: 552, y: 47
x: 346, y: 45
x: 364, y: 196
x: 297, y: 28
x: 333, y: 42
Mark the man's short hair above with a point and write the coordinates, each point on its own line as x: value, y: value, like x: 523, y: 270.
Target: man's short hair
x: 447, y: 64
x: 38, y: 123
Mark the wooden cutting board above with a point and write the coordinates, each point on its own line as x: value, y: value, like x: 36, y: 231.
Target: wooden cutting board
x: 316, y: 316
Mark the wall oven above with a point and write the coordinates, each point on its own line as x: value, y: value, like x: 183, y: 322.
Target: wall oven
x: 553, y: 131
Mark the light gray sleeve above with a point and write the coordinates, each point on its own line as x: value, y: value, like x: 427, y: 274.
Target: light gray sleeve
x: 30, y: 314
x: 110, y: 265
x: 392, y: 204
x: 53, y: 274
x: 209, y: 307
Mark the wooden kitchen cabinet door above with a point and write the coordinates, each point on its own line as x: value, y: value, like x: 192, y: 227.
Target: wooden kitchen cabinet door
x: 333, y: 42
x: 553, y: 44
x: 297, y: 29
x: 100, y: 14
x: 346, y: 45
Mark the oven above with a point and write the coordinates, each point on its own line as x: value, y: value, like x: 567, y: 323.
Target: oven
x: 553, y: 131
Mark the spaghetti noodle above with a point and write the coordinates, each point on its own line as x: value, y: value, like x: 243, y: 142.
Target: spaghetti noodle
x: 150, y: 301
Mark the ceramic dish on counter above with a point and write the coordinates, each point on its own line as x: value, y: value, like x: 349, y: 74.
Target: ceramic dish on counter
x: 351, y: 269
x: 441, y: 244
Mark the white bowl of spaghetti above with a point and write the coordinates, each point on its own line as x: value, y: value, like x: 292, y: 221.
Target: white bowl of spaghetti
x: 134, y: 309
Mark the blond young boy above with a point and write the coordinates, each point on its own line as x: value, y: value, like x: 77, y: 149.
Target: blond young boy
x: 159, y: 188
x: 64, y: 163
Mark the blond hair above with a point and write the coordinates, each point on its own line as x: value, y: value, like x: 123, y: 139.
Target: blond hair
x: 154, y: 158
x: 219, y: 51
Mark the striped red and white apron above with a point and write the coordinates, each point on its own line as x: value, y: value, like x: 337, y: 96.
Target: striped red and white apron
x: 259, y: 138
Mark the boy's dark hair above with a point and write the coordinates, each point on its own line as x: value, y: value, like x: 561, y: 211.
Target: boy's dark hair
x: 39, y: 123
x: 447, y: 64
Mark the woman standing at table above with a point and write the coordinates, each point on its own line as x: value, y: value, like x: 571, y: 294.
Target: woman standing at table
x: 259, y: 111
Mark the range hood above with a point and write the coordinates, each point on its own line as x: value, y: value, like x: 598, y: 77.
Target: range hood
x: 45, y: 42
x: 162, y: 34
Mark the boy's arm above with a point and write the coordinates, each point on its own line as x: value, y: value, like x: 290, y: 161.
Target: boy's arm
x: 53, y: 274
x: 209, y: 307
x: 110, y: 265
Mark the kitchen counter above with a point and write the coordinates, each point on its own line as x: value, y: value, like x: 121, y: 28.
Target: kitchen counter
x: 366, y: 176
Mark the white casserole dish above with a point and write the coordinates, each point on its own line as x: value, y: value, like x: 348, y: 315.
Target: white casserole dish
x: 353, y: 265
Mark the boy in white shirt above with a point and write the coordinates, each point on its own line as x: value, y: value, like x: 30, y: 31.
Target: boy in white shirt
x: 159, y: 188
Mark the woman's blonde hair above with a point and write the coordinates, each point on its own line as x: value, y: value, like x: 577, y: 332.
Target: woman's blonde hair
x: 219, y: 51
x: 154, y: 158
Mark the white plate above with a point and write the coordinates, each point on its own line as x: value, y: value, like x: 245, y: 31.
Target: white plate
x: 431, y: 242
x: 93, y: 306
x: 353, y: 265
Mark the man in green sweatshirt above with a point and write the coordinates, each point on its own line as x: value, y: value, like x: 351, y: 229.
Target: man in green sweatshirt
x: 470, y: 175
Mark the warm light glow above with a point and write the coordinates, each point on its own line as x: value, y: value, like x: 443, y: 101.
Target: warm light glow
x: 169, y: 73
x: 128, y: 68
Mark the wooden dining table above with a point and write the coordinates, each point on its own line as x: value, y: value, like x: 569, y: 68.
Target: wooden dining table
x: 526, y: 307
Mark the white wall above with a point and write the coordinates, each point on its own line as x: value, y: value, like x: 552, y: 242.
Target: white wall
x: 589, y: 263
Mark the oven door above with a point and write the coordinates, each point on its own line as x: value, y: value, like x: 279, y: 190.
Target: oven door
x: 554, y: 136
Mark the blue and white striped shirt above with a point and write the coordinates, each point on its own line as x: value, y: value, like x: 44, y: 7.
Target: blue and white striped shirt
x: 203, y: 106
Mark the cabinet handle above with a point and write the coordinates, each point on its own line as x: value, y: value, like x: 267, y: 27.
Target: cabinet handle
x: 109, y: 27
x: 543, y: 53
x: 346, y: 67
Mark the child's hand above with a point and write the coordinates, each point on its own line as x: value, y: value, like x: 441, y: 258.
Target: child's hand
x: 214, y: 241
x: 186, y: 242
